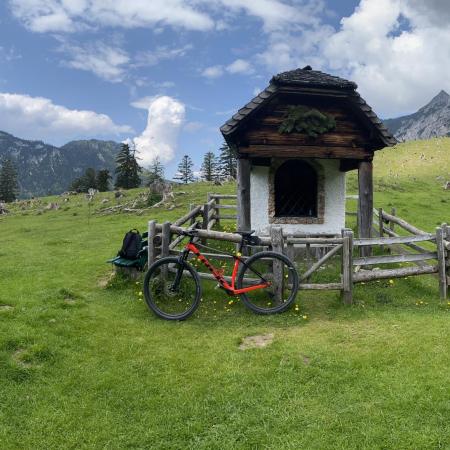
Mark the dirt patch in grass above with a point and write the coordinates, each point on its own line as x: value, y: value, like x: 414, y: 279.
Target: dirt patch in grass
x: 19, y: 357
x: 6, y: 308
x: 257, y: 341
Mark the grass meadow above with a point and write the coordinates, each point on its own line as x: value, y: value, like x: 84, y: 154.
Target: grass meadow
x: 85, y: 365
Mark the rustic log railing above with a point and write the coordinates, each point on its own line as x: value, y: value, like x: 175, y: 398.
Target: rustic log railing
x: 164, y: 240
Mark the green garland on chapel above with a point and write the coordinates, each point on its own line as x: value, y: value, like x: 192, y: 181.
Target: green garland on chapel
x: 301, y: 119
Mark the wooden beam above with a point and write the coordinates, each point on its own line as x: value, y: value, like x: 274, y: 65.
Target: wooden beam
x: 365, y: 184
x: 307, y: 151
x: 243, y: 194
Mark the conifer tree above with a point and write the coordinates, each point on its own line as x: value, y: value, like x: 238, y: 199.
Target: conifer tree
x: 86, y: 181
x: 156, y: 171
x: 185, y: 173
x: 103, y: 177
x: 209, y: 167
x: 8, y: 181
x: 127, y: 168
x: 227, y: 162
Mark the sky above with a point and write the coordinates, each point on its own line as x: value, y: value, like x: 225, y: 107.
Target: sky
x: 166, y: 74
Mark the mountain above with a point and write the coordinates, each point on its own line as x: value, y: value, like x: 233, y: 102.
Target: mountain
x: 431, y: 120
x: 45, y: 169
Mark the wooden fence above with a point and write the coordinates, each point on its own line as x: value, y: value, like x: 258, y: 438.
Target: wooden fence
x: 356, y: 265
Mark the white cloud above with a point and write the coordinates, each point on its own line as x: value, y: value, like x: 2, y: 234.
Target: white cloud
x: 106, y: 61
x: 153, y: 57
x: 72, y: 15
x: 239, y: 66
x: 213, y: 72
x: 398, y: 68
x: 69, y: 15
x: 166, y: 117
x: 38, y: 118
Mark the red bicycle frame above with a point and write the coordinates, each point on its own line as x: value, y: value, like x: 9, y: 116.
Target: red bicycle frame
x: 218, y: 274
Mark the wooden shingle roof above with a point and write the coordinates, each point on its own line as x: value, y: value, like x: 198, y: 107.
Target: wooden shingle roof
x: 304, y: 80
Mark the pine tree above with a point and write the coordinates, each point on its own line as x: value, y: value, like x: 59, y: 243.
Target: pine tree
x: 103, y: 177
x: 209, y: 167
x: 8, y: 181
x: 156, y: 171
x: 227, y: 162
x: 185, y: 173
x: 86, y: 181
x: 127, y: 169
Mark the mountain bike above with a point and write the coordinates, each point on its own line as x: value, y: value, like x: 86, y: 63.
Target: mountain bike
x: 267, y: 282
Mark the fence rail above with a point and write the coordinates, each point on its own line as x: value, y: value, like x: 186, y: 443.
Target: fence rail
x: 164, y: 240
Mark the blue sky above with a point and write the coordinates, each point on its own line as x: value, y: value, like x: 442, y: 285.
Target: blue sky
x: 167, y: 73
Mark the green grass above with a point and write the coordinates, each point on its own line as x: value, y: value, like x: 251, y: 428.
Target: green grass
x: 84, y: 364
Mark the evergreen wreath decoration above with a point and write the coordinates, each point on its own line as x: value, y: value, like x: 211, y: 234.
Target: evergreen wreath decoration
x: 301, y: 119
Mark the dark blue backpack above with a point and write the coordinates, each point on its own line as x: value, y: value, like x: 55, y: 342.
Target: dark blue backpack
x: 132, y: 244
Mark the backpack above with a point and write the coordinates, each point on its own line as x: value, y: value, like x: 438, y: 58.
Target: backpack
x: 132, y: 244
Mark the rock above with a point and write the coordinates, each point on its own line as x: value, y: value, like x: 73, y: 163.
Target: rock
x: 447, y: 185
x: 105, y: 200
x: 3, y: 209
x: 118, y: 194
x: 52, y: 206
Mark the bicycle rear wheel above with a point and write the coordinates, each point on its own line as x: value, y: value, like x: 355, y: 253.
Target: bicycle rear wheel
x: 279, y: 272
x: 172, y: 289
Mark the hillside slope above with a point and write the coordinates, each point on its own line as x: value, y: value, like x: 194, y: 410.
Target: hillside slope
x: 45, y: 169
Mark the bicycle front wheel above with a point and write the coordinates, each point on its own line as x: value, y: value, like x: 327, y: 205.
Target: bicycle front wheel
x: 172, y: 289
x: 278, y: 272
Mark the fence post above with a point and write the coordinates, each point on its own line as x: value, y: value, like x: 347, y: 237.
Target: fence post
x: 441, y: 262
x: 347, y: 266
x: 276, y: 236
x: 392, y: 224
x: 380, y: 226
x: 165, y: 239
x: 191, y: 207
x: 151, y: 242
x: 205, y: 221
x: 217, y: 210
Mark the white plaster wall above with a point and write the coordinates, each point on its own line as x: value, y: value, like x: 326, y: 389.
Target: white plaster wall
x: 334, y: 217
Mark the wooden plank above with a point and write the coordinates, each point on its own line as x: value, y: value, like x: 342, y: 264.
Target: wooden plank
x: 394, y: 240
x: 190, y: 215
x: 224, y: 196
x: 347, y: 266
x: 365, y: 186
x: 391, y: 259
x: 443, y: 287
x: 305, y: 151
x: 320, y: 262
x: 151, y: 251
x: 243, y: 189
x: 313, y: 240
x: 371, y: 275
x: 403, y: 224
x: 318, y: 286
x: 218, y: 235
x: 409, y: 244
